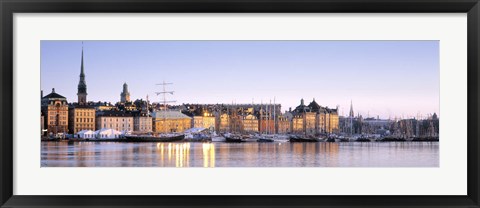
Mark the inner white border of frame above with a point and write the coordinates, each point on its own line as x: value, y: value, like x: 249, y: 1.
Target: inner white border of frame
x: 448, y: 179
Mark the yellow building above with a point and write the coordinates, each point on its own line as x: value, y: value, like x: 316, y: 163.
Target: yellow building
x: 55, y: 110
x: 203, y: 119
x: 81, y: 118
x: 224, y: 123
x: 283, y: 125
x: 334, y: 123
x: 209, y: 122
x: 297, y: 124
x: 250, y: 123
x: 315, y: 119
x: 171, y: 121
x: 197, y: 122
x: 310, y: 121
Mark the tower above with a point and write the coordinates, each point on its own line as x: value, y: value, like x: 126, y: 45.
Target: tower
x: 351, y: 115
x: 125, y: 95
x: 82, y: 85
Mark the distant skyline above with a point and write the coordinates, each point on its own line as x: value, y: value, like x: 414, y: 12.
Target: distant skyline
x: 382, y: 78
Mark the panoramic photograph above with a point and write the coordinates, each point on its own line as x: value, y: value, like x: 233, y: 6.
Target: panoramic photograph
x: 240, y: 103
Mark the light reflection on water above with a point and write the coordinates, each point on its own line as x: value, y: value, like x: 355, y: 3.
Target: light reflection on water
x: 250, y: 154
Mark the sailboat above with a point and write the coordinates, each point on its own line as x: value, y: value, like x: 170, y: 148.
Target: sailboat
x: 172, y: 137
x: 231, y: 137
x: 265, y: 138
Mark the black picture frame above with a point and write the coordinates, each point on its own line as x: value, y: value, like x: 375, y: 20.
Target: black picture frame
x: 10, y: 7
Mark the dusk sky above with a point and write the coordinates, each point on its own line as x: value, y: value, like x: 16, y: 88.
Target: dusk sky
x: 382, y: 78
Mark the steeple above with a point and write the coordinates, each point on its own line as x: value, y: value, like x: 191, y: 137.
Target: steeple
x: 82, y: 73
x: 351, y: 110
x: 82, y: 85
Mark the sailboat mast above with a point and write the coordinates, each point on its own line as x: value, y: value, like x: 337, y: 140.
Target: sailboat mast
x: 164, y: 92
x: 164, y: 109
x: 274, y: 120
x: 266, y: 117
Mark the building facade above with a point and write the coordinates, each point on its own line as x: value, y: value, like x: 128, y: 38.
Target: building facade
x: 283, y: 125
x: 250, y: 124
x: 224, y: 123
x: 171, y: 121
x: 315, y: 119
x: 55, y: 110
x: 42, y: 124
x: 142, y: 123
x: 81, y: 117
x: 117, y: 120
x: 203, y: 119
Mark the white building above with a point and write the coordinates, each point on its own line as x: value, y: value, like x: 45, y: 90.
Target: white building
x: 117, y: 120
x: 142, y: 123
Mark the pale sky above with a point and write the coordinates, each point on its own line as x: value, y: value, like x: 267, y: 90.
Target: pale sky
x: 384, y: 78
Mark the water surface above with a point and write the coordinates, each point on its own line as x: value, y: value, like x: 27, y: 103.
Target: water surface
x: 250, y: 154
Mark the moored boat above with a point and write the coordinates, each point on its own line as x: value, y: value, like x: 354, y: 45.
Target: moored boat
x: 151, y: 138
x: 233, y: 138
x: 264, y: 139
x: 303, y: 139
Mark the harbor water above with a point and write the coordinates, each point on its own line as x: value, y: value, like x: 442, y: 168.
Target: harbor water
x: 249, y: 154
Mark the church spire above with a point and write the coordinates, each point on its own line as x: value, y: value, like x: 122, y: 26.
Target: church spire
x: 351, y: 110
x: 82, y: 85
x: 82, y: 73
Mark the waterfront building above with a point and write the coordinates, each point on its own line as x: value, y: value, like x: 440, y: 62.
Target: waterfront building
x: 55, y: 109
x: 125, y: 95
x: 310, y: 124
x: 266, y: 124
x: 414, y: 128
x: 142, y: 122
x: 209, y: 121
x: 81, y: 117
x: 297, y: 124
x: 117, y: 120
x: 314, y: 119
x: 197, y: 121
x: 289, y: 117
x: 202, y: 118
x: 224, y: 124
x: 379, y: 126
x: 42, y: 125
x: 250, y: 123
x: 170, y: 121
x: 236, y: 124
x: 283, y: 125
x: 351, y: 124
